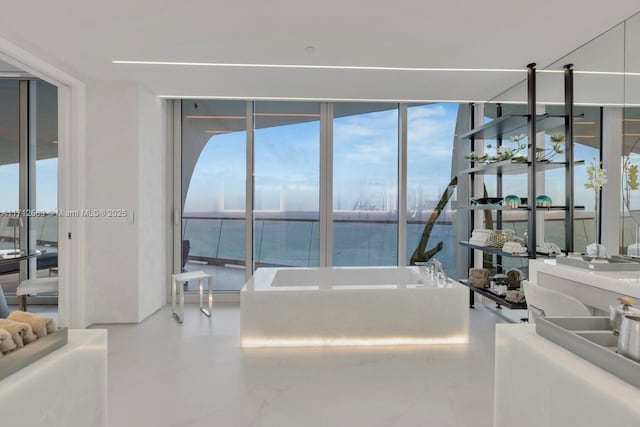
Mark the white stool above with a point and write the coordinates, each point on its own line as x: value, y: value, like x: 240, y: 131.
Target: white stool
x: 182, y: 278
x: 34, y: 286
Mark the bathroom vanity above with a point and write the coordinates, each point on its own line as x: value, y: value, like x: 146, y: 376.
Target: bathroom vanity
x: 539, y: 383
x: 596, y: 289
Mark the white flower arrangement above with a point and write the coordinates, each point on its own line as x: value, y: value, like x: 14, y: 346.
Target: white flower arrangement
x: 546, y: 154
x: 503, y: 152
x: 596, y: 179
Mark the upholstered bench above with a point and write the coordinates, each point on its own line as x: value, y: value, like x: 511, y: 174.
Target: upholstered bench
x: 35, y: 286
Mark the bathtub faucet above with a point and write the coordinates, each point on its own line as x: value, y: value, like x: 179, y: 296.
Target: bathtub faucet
x: 438, y: 268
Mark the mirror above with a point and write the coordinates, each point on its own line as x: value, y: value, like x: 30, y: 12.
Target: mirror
x: 630, y: 168
x: 631, y: 136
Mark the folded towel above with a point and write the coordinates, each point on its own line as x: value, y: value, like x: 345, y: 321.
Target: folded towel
x: 41, y: 325
x: 479, y: 272
x: 6, y: 342
x: 15, y: 333
x: 20, y: 332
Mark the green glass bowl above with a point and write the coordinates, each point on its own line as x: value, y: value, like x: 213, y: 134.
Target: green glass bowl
x: 512, y: 201
x: 543, y: 201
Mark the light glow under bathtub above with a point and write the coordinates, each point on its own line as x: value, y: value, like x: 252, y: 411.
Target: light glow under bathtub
x: 343, y: 342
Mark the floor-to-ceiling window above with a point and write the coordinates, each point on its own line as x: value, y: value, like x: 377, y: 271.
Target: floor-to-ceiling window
x: 430, y: 138
x: 587, y: 145
x: 28, y: 180
x: 291, y: 145
x: 286, y: 183
x: 365, y: 184
x: 630, y: 180
x: 44, y: 196
x: 213, y: 191
x: 9, y: 178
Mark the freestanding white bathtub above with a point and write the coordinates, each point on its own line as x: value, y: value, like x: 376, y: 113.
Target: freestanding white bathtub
x: 289, y: 307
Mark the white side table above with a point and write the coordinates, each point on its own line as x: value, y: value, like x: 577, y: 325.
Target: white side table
x: 180, y: 279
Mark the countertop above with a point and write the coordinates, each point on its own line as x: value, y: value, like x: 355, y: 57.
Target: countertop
x: 619, y: 282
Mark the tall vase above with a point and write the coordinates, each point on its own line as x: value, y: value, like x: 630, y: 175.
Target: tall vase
x: 596, y: 249
x: 595, y: 219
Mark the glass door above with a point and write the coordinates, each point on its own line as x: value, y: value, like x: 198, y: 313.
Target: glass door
x: 286, y: 184
x: 213, y: 191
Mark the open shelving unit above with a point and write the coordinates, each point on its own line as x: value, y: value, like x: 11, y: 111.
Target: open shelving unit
x: 498, y: 299
x: 520, y: 208
x: 510, y: 167
x: 513, y: 124
x: 506, y: 126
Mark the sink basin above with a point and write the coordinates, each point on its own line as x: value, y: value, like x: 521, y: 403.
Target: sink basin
x: 591, y: 339
x: 603, y: 338
x: 581, y: 323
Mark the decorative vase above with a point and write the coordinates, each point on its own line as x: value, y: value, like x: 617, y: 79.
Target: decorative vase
x: 543, y: 201
x: 512, y: 201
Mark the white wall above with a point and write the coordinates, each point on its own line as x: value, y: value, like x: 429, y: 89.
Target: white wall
x: 152, y: 215
x: 126, y: 169
x: 111, y: 183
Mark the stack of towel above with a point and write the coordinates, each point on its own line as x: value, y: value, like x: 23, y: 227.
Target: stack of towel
x: 6, y: 342
x: 41, y: 325
x: 515, y: 278
x: 479, y: 236
x: 21, y: 333
x: 479, y: 277
x: 21, y: 328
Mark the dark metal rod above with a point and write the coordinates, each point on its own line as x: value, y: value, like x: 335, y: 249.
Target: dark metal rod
x: 499, y: 185
x: 472, y: 111
x: 568, y: 133
x: 531, y: 103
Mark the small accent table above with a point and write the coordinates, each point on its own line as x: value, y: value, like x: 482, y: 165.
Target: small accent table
x: 182, y: 278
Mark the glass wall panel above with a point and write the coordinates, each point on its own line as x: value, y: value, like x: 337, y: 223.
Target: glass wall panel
x: 44, y: 226
x: 9, y: 179
x: 631, y: 138
x: 286, y: 184
x: 587, y: 143
x: 631, y: 164
x: 365, y: 184
x: 430, y: 138
x: 213, y: 191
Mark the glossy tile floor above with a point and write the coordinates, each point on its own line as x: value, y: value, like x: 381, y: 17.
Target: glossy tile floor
x: 195, y: 374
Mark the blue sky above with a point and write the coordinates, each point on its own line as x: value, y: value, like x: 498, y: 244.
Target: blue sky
x: 46, y: 185
x: 365, y: 164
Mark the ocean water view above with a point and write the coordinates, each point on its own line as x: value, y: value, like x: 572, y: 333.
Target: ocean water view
x: 219, y: 241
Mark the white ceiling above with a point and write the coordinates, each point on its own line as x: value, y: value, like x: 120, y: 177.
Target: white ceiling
x: 83, y: 37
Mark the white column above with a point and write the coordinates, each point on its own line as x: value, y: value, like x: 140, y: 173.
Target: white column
x: 402, y: 183
x: 612, y: 190
x: 540, y: 185
x: 326, y: 185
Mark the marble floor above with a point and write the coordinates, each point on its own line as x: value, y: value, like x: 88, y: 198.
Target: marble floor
x: 195, y: 374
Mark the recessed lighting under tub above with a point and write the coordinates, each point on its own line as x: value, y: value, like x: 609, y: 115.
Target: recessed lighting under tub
x: 344, y: 342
